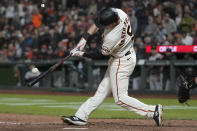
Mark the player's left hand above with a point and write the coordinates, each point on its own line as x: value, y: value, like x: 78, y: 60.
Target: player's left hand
x: 73, y: 50
x: 78, y: 53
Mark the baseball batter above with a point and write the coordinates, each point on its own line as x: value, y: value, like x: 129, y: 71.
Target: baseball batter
x: 118, y: 43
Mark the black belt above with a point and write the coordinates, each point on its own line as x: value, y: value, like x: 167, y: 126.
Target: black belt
x: 128, y: 53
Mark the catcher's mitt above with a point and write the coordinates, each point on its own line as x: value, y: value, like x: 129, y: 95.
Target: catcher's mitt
x: 183, y: 89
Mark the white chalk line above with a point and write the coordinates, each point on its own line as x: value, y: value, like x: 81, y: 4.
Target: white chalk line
x: 75, y: 128
x: 19, y: 123
x: 50, y: 103
x: 10, y: 123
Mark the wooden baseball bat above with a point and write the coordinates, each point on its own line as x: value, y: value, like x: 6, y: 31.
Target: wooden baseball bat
x: 51, y: 69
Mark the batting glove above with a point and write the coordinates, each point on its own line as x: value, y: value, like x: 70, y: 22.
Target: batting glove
x: 78, y: 53
x: 73, y: 50
x: 81, y: 44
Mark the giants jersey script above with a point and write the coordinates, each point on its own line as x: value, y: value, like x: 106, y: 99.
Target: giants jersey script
x: 119, y: 40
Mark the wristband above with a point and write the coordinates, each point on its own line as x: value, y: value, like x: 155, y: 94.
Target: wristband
x: 86, y: 36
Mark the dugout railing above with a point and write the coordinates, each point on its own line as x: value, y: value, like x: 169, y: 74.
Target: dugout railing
x: 85, y: 73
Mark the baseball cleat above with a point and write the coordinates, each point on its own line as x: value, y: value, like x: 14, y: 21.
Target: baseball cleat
x: 158, y: 115
x: 73, y: 120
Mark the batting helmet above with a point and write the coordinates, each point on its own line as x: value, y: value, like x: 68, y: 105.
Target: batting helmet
x: 107, y: 16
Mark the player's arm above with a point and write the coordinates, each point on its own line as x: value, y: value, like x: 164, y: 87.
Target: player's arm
x: 81, y: 44
x: 93, y: 29
x: 109, y: 45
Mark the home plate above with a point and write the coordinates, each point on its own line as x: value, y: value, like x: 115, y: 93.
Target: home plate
x: 75, y: 128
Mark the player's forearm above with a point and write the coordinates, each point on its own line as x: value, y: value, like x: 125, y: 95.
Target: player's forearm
x: 96, y: 54
x: 93, y: 29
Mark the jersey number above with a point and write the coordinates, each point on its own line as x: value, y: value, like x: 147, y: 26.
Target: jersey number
x: 129, y: 31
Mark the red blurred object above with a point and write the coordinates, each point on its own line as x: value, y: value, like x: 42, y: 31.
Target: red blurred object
x: 174, y: 48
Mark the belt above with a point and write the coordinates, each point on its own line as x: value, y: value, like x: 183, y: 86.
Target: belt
x: 128, y: 53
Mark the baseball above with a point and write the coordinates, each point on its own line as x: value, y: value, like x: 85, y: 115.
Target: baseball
x: 42, y: 5
x: 35, y: 70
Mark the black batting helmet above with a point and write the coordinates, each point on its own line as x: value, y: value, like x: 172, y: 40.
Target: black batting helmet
x: 107, y: 16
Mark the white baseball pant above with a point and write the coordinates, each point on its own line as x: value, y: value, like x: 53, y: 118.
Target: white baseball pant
x: 116, y: 79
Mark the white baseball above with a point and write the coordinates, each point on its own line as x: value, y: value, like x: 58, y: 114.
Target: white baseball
x: 35, y: 70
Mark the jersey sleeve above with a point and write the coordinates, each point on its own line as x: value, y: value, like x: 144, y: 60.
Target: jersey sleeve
x: 107, y: 46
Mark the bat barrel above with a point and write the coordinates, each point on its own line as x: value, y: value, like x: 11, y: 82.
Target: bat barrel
x: 51, y: 69
x: 30, y: 84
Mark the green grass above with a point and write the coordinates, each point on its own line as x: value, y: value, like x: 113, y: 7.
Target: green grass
x: 67, y: 105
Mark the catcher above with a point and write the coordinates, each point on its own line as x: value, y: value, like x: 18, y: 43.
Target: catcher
x: 185, y: 82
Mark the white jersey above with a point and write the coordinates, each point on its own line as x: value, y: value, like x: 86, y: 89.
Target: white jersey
x: 119, y: 40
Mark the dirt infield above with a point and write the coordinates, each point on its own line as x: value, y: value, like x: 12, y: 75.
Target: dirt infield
x: 13, y: 122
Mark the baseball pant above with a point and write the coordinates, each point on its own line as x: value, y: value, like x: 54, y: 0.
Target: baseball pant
x: 116, y: 80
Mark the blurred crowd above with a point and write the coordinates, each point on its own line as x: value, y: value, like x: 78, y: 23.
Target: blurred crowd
x: 47, y: 29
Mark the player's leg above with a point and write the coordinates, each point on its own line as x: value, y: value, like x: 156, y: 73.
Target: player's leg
x: 119, y: 76
x: 92, y: 103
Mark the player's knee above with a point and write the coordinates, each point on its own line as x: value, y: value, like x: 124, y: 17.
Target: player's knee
x: 119, y: 100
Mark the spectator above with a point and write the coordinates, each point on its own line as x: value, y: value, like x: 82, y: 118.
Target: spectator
x: 36, y: 18
x: 133, y: 20
x: 54, y: 37
x: 161, y: 34
x: 93, y: 8
x: 169, y: 40
x: 141, y: 18
x: 187, y: 23
x: 151, y: 28
x: 43, y: 52
x: 17, y: 74
x: 166, y: 69
x: 50, y: 54
x: 11, y: 52
x: 155, y: 71
x: 195, y: 38
x: 32, y: 74
x: 10, y: 10
x: 187, y: 39
x: 169, y: 24
x: 168, y: 8
x: 140, y: 48
x: 28, y: 40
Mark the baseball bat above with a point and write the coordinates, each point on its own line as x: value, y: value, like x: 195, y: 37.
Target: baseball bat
x: 51, y: 69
